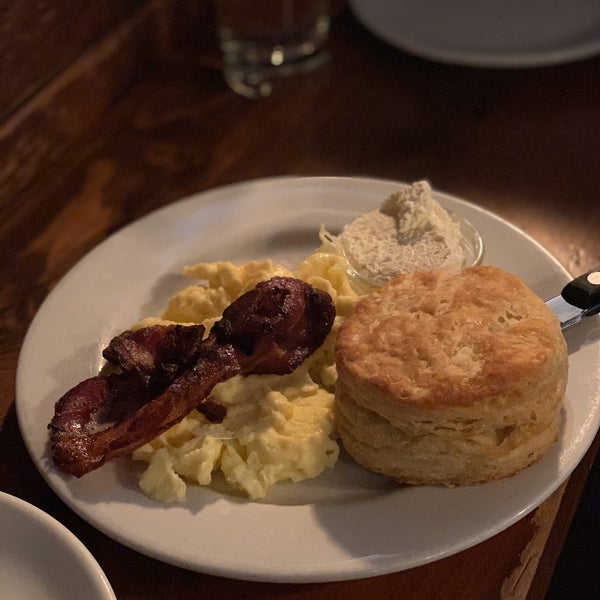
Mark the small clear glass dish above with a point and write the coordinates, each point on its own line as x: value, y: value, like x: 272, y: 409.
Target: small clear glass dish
x: 472, y: 243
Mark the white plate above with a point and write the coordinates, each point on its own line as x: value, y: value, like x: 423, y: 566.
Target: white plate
x: 40, y: 559
x: 510, y: 33
x: 345, y: 524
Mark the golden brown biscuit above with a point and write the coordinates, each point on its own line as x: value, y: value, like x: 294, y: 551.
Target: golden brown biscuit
x: 450, y: 378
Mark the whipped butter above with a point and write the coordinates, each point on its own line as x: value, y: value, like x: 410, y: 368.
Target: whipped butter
x: 410, y: 231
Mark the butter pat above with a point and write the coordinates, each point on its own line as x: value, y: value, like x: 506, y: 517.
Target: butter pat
x: 410, y: 231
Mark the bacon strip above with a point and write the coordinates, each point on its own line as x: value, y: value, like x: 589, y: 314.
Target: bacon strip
x: 158, y: 353
x: 271, y: 329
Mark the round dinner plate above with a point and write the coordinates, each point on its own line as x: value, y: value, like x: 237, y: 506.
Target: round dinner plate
x: 40, y: 559
x: 510, y: 33
x: 347, y: 523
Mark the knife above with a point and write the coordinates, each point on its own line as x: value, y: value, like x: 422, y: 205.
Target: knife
x: 578, y: 299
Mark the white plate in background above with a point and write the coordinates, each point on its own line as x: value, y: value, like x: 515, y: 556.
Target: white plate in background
x: 345, y: 524
x: 508, y: 33
x: 40, y: 559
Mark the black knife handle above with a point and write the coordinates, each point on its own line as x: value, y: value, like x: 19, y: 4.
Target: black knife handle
x: 584, y: 291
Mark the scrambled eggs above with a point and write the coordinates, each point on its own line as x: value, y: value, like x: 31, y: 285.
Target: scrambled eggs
x: 277, y: 427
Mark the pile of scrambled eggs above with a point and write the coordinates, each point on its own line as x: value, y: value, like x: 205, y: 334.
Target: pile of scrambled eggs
x: 278, y: 427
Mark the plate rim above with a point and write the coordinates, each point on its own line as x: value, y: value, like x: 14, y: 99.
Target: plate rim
x: 484, y: 59
x: 351, y: 570
x: 64, y: 538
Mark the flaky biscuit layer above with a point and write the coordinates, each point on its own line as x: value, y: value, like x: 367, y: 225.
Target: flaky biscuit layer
x: 450, y: 377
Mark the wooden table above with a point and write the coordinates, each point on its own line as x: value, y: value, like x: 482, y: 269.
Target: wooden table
x: 135, y: 116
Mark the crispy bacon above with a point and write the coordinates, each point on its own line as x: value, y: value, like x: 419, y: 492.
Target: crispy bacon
x: 277, y: 325
x: 158, y: 353
x: 271, y: 329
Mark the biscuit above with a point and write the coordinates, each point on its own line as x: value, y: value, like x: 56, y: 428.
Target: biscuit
x: 450, y: 377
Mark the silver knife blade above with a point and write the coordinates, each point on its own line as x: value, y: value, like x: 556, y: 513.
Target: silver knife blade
x: 567, y: 314
x: 578, y: 299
